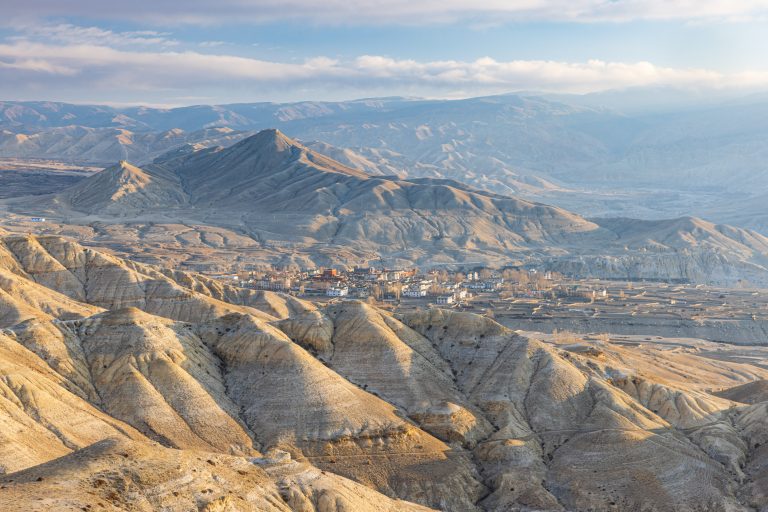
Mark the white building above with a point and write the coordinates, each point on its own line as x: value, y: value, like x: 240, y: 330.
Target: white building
x: 337, y: 292
x: 274, y: 284
x: 415, y: 292
x: 445, y: 299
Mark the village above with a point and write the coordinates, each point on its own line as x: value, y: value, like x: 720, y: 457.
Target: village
x: 531, y: 299
x: 404, y: 286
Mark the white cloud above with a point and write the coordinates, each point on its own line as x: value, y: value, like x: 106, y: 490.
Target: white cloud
x: 593, y: 75
x: 37, y: 66
x: 102, y: 69
x: 73, y: 34
x: 390, y: 11
x: 161, y: 69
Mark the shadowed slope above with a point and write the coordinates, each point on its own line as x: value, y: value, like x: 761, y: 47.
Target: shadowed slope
x: 295, y: 403
x: 158, y: 376
x: 380, y: 354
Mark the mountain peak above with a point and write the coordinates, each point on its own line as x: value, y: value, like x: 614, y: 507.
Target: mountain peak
x: 270, y: 138
x: 270, y: 151
x: 125, y: 172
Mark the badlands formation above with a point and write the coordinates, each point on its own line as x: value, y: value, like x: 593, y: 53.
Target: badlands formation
x: 126, y: 386
x: 271, y: 200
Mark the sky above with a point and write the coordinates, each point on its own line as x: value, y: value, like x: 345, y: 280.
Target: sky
x: 170, y: 53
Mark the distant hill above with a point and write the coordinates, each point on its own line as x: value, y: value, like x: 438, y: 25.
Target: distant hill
x: 270, y: 198
x: 105, y: 144
x: 274, y: 186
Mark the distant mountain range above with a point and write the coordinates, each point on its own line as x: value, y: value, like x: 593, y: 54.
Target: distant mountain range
x: 634, y: 159
x: 101, y: 145
x: 269, y: 198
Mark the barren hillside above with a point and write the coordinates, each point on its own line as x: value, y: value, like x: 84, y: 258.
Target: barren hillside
x: 142, y: 388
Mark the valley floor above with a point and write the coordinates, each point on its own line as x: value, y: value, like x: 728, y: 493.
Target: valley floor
x: 20, y: 177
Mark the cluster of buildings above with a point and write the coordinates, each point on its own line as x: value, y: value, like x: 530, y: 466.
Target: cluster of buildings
x: 412, y: 287
x: 440, y: 287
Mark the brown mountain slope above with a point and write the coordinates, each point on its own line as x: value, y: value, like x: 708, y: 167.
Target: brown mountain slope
x: 42, y: 414
x: 223, y: 382
x: 177, y: 393
x: 380, y: 354
x: 293, y: 402
x: 108, y: 282
x: 550, y: 413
